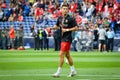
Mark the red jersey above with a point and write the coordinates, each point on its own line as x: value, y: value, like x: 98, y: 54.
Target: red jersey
x: 39, y: 11
x: 73, y: 7
x: 12, y: 33
x: 78, y: 19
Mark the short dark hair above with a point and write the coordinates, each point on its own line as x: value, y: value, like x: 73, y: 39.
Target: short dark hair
x: 65, y: 4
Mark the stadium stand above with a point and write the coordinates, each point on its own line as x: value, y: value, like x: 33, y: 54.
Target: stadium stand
x: 50, y: 21
x: 29, y: 20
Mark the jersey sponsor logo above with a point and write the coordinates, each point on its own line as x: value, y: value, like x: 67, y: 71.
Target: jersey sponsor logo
x: 64, y: 23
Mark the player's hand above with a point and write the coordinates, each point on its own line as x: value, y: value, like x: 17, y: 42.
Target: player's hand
x: 48, y: 28
x: 63, y: 30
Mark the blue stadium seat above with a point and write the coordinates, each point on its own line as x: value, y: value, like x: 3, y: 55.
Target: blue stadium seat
x: 7, y: 2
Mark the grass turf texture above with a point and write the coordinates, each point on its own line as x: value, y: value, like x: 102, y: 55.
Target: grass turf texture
x: 40, y: 65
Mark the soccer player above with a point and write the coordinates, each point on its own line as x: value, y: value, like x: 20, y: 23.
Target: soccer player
x: 67, y: 24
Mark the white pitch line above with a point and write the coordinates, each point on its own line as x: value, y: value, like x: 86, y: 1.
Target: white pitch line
x: 25, y: 75
x: 100, y: 79
x: 113, y: 76
x: 82, y: 79
x: 101, y: 75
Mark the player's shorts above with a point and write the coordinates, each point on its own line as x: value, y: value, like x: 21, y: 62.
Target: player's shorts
x: 65, y: 46
x: 102, y: 42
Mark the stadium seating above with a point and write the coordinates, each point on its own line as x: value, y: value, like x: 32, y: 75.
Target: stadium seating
x: 29, y: 20
x: 27, y: 23
x: 7, y: 2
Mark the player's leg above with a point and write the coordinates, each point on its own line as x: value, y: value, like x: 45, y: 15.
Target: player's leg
x: 62, y: 54
x: 66, y: 61
x: 100, y: 46
x: 104, y: 45
x: 70, y: 60
x: 61, y: 61
x: 112, y: 44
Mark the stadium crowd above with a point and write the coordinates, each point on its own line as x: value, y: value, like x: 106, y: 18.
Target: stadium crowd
x: 89, y: 14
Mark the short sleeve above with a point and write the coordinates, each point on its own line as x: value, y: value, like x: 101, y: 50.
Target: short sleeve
x: 73, y: 22
x: 57, y: 23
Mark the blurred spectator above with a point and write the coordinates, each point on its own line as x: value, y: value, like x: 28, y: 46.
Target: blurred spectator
x: 96, y: 36
x: 73, y: 6
x: 7, y: 37
x: 4, y: 4
x: 39, y: 19
x: 35, y: 4
x: 110, y: 43
x: 110, y: 6
x: 99, y: 6
x: 10, y: 11
x: 12, y: 36
x: 4, y: 39
x: 89, y: 37
x: 35, y: 34
x: 1, y: 3
x: 0, y: 38
x: 84, y: 20
x: 5, y: 18
x: 41, y: 38
x: 106, y: 22
x: 31, y: 1
x: 17, y: 10
x: 96, y: 32
x: 31, y: 10
x: 84, y: 7
x: 99, y: 21
x: 32, y: 29
x: 106, y: 11
x: 38, y: 12
x: 117, y: 25
x: 15, y: 17
x: 43, y: 20
x: 21, y: 11
x: 89, y: 10
x: 118, y: 18
x: 78, y: 18
x: 26, y: 9
x: 51, y: 7
x: 20, y: 17
x: 11, y: 18
x: 102, y: 38
x: 79, y: 9
x: 45, y: 39
x: 13, y: 1
x: 16, y: 43
x: 41, y: 4
x: 20, y: 36
x: 1, y: 15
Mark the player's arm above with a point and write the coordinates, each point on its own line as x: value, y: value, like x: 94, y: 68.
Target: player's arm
x: 55, y: 27
x: 72, y: 29
x: 72, y: 23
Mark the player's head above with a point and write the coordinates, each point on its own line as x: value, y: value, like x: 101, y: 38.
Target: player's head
x: 65, y: 8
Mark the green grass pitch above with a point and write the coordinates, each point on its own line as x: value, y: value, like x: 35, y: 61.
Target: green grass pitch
x: 40, y: 65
